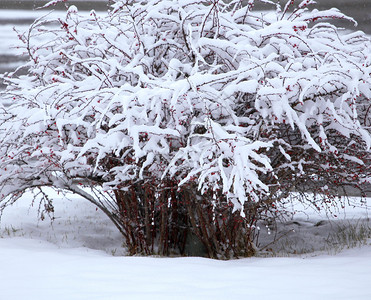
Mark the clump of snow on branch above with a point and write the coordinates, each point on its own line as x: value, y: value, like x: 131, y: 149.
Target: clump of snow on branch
x: 197, y: 92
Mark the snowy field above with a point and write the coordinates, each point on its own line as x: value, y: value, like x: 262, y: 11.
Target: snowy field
x: 79, y: 256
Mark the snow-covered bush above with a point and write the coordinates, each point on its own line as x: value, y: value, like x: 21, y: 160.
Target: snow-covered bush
x: 188, y: 117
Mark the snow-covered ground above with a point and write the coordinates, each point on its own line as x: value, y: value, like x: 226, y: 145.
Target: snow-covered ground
x: 79, y: 256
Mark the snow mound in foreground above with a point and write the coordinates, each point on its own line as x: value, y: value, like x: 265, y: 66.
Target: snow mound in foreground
x: 72, y: 258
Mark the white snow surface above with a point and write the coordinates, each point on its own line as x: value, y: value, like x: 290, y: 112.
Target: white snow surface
x: 79, y: 256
